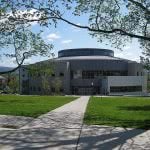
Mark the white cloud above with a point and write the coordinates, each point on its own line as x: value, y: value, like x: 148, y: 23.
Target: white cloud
x: 11, y: 62
x: 126, y: 48
x: 32, y: 14
x: 127, y: 55
x: 53, y: 36
x: 119, y: 55
x: 66, y: 41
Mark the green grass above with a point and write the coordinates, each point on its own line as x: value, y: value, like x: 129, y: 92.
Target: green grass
x: 31, y: 106
x: 119, y: 111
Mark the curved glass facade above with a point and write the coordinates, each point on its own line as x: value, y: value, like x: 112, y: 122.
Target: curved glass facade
x: 85, y: 52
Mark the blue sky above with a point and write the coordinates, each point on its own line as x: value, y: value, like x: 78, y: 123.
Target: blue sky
x: 66, y: 36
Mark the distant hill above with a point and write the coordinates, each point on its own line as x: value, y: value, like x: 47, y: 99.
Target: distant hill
x: 5, y: 68
x: 2, y: 68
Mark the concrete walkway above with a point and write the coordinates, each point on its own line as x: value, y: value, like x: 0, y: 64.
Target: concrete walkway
x: 14, y: 121
x: 68, y: 116
x: 58, y: 129
x: 63, y: 129
x: 96, y: 137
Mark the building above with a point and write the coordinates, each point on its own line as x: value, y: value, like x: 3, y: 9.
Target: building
x: 87, y: 71
x: 3, y: 82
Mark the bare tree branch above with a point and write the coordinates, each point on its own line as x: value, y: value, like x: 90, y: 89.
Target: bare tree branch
x: 121, y: 31
x: 16, y: 68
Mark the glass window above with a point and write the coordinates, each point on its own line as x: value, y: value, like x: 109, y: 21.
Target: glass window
x: 125, y: 88
x: 31, y: 88
x: 61, y: 74
x: 39, y: 89
x: 34, y: 88
x: 53, y: 75
x: 53, y: 89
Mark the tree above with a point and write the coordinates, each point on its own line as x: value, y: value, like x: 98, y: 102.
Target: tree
x: 107, y: 18
x: 19, y: 37
x: 13, y: 84
x: 46, y: 85
x: 44, y: 71
x: 57, y: 84
x: 116, y: 21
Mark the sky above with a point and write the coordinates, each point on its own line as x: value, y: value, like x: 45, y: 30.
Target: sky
x: 66, y: 37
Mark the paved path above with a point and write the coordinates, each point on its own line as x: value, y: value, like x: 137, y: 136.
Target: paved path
x: 58, y: 129
x: 96, y: 137
x: 14, y: 121
x: 62, y: 129
x: 68, y: 116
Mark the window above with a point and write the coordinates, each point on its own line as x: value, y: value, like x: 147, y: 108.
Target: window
x: 125, y: 88
x: 39, y: 89
x: 34, y: 89
x: 39, y: 74
x: 61, y: 74
x: 53, y: 75
x: 137, y: 73
x: 61, y: 90
x: 53, y: 89
x: 101, y: 73
x: 77, y: 74
x: 31, y: 88
x: 23, y: 75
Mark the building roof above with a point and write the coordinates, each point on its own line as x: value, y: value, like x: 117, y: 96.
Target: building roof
x: 85, y: 52
x: 90, y: 58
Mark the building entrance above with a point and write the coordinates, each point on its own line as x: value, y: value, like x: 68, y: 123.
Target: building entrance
x: 85, y: 90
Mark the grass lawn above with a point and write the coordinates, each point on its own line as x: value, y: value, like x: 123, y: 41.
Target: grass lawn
x: 119, y: 111
x: 31, y: 106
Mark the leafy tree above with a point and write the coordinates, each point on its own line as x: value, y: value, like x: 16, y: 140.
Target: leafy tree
x: 42, y: 70
x: 13, y: 84
x: 46, y: 85
x: 57, y: 84
x: 115, y: 21
x: 19, y: 38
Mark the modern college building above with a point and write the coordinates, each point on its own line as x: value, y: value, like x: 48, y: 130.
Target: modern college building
x: 90, y: 71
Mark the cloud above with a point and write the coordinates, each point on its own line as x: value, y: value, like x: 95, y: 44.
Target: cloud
x: 11, y: 62
x: 66, y: 41
x: 119, y: 55
x: 32, y: 14
x: 126, y: 48
x: 53, y: 36
x: 128, y: 55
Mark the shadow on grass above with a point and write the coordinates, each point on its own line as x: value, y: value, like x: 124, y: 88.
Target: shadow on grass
x: 135, y: 108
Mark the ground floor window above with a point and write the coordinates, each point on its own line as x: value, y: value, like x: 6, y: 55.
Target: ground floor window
x: 85, y: 90
x: 125, y: 88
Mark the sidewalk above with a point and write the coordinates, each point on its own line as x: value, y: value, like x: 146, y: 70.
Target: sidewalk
x: 63, y: 129
x: 58, y: 129
x: 67, y: 116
